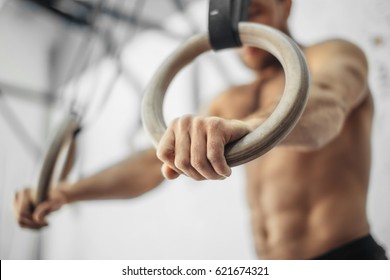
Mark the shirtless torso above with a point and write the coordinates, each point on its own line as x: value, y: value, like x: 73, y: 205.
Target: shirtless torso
x: 307, y: 195
x: 304, y: 202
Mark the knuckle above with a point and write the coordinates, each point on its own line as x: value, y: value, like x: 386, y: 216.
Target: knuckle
x: 174, y: 122
x: 185, y: 121
x: 37, y: 215
x: 161, y: 155
x: 214, y: 124
x: 182, y: 163
x: 198, y: 164
x: 214, y: 156
x: 198, y: 123
x: 165, y: 155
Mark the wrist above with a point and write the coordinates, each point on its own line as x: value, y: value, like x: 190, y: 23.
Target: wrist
x: 65, y: 192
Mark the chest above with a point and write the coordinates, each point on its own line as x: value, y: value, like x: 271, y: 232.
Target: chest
x: 257, y: 97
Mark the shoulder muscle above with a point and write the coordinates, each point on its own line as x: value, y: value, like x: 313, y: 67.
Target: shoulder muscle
x: 341, y: 67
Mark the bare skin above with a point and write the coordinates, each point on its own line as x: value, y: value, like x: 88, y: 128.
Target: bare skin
x: 124, y: 180
x: 307, y: 195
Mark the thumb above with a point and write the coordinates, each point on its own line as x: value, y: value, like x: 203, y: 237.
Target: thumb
x: 235, y: 130
x: 168, y: 172
x: 41, y: 211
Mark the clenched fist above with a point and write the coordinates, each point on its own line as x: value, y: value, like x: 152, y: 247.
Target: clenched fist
x: 195, y: 146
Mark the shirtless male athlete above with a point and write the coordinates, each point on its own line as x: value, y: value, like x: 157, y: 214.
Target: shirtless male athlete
x: 307, y: 195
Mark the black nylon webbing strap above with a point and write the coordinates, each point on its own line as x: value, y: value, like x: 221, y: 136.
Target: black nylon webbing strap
x: 224, y: 16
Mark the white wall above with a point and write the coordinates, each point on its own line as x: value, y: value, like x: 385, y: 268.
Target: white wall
x: 180, y: 219
x: 25, y: 44
x: 187, y: 220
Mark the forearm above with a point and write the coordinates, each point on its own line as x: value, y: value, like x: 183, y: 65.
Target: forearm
x: 130, y: 178
x: 320, y: 123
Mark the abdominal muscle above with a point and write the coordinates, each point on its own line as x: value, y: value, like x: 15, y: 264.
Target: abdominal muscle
x: 306, y: 203
x: 303, y: 205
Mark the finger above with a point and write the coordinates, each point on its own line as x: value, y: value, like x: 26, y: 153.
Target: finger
x: 183, y: 150
x: 168, y: 172
x: 22, y: 221
x: 41, y: 211
x: 27, y: 223
x: 23, y: 209
x: 23, y: 218
x: 235, y: 130
x: 166, y: 153
x: 199, y: 158
x: 22, y: 204
x: 166, y: 148
x: 216, y: 153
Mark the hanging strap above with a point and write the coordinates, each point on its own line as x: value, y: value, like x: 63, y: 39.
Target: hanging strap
x: 224, y: 16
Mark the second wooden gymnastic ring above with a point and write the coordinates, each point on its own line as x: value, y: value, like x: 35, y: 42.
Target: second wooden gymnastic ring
x: 58, y: 159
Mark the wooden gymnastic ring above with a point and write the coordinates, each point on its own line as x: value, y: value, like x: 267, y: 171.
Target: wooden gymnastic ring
x: 59, y: 157
x: 272, y: 130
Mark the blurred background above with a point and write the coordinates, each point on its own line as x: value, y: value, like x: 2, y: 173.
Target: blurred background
x: 97, y: 57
